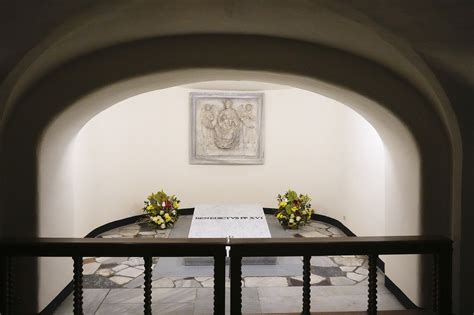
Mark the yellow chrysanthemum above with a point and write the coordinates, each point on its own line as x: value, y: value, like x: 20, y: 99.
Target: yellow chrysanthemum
x: 294, y: 209
x: 150, y: 207
x: 283, y: 204
x: 176, y: 205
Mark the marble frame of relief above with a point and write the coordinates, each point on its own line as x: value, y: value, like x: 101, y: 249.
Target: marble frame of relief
x: 226, y: 128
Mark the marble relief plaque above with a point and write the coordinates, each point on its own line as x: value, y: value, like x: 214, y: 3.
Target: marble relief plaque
x: 226, y: 128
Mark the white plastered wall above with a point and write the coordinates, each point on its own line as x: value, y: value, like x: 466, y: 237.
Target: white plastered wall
x: 312, y: 144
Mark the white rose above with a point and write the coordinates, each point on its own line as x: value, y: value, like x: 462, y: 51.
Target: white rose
x: 162, y: 212
x: 298, y: 219
x: 291, y: 221
x: 292, y: 215
x: 163, y: 226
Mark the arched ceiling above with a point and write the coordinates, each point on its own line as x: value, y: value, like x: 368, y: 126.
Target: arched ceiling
x: 65, y: 30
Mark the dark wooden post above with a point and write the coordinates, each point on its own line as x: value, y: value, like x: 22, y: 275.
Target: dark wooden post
x: 6, y: 306
x: 147, y: 280
x: 445, y: 279
x: 435, y: 291
x: 3, y: 283
x: 77, y: 280
x: 235, y: 283
x: 306, y: 285
x: 219, y: 281
x: 372, y: 305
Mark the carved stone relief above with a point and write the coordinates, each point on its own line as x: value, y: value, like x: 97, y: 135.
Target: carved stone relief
x: 227, y: 128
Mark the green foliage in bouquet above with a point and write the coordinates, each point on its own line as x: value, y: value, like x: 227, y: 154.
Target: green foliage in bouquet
x: 293, y: 210
x: 161, y: 209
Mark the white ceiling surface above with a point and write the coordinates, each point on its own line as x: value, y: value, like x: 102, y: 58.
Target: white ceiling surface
x: 228, y: 85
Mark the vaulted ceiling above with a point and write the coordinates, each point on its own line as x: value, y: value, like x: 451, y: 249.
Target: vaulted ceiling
x: 441, y: 31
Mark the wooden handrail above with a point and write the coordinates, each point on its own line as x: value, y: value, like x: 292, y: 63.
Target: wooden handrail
x: 440, y: 247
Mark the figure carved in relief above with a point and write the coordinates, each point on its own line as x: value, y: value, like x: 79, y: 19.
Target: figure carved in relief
x: 227, y: 129
x: 208, y: 121
x: 249, y: 126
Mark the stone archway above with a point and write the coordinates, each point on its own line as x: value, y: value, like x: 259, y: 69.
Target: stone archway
x: 337, y: 74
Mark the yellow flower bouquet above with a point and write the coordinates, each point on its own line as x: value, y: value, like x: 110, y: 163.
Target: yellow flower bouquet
x: 293, y: 210
x: 161, y: 209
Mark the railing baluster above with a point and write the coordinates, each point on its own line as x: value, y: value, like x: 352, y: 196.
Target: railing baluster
x: 445, y: 280
x: 7, y: 286
x: 435, y: 282
x: 3, y: 287
x: 372, y: 307
x: 219, y: 282
x: 235, y: 284
x: 306, y: 285
x: 77, y: 280
x: 147, y: 279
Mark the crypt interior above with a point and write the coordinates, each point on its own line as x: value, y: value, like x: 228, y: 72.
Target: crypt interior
x: 364, y: 106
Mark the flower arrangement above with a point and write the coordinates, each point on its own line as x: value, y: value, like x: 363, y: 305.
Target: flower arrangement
x: 293, y: 210
x: 161, y: 209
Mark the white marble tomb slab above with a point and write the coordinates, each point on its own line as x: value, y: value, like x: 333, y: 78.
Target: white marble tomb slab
x: 234, y: 220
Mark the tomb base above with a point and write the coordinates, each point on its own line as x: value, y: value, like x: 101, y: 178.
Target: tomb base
x: 209, y: 261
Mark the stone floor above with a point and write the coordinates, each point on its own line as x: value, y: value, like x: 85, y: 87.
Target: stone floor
x: 339, y: 283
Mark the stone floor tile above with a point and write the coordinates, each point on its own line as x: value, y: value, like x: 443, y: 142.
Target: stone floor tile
x: 348, y: 261
x: 320, y: 225
x: 312, y: 234
x: 134, y: 261
x: 276, y: 304
x: 92, y: 298
x: 136, y: 283
x: 120, y: 280
x: 104, y: 272
x: 130, y: 272
x: 87, y: 260
x: 187, y: 283
x: 280, y: 292
x: 201, y: 279
x: 173, y: 295
x: 163, y: 283
x: 119, y: 267
x: 335, y: 231
x: 362, y: 271
x: 98, y: 282
x: 111, y: 236
x: 147, y: 233
x: 90, y: 268
x: 347, y: 269
x: 124, y: 296
x: 173, y: 308
x: 341, y: 281
x: 208, y: 283
x: 322, y: 261
x: 111, y: 260
x: 327, y: 271
x: 315, y: 279
x: 253, y: 282
x: 120, y: 309
x: 355, y: 276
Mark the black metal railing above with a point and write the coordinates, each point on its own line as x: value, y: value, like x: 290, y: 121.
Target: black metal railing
x: 439, y: 247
